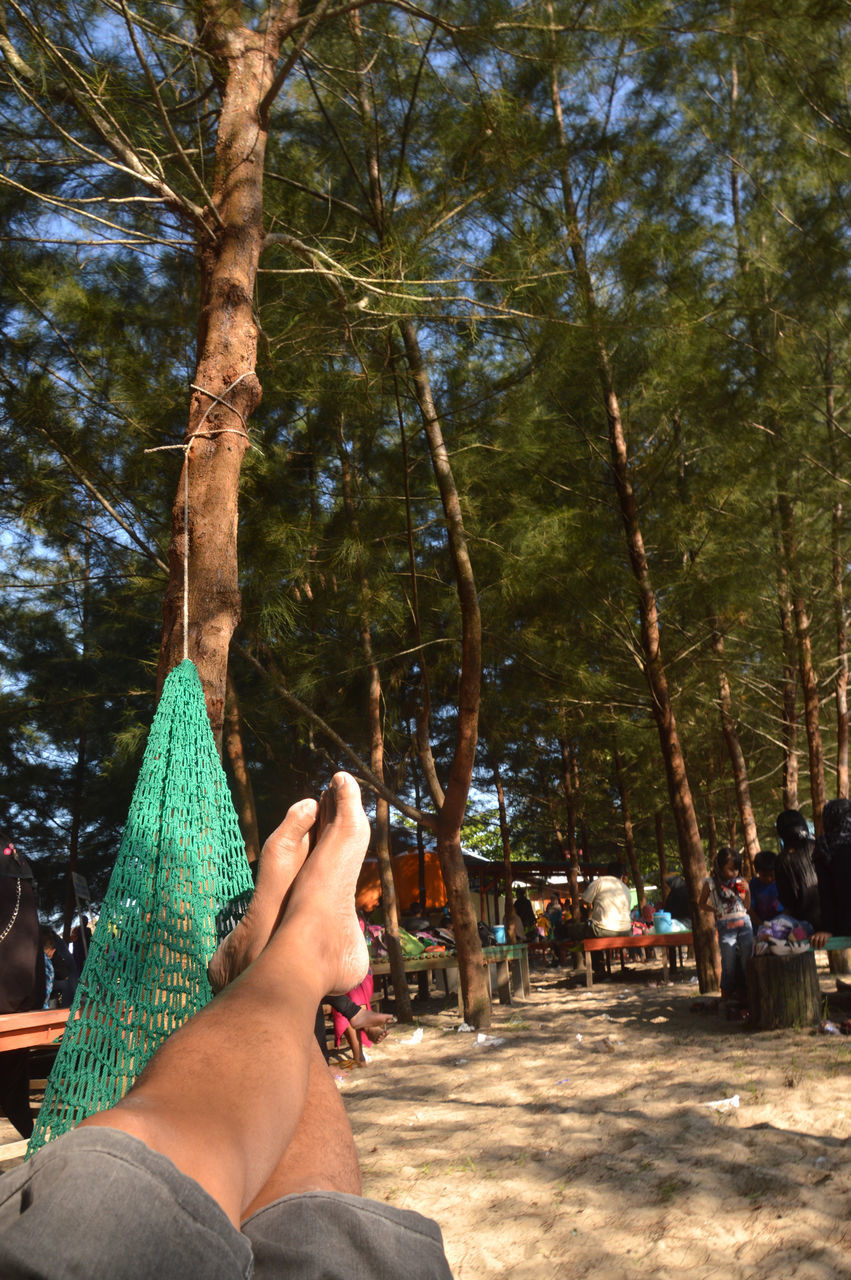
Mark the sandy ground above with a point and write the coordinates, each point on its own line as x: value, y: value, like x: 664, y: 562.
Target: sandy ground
x: 585, y: 1138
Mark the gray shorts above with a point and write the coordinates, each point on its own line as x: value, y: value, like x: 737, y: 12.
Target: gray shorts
x: 97, y: 1204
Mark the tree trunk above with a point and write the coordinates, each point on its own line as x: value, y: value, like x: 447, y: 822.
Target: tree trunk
x: 474, y: 986
x: 737, y: 756
x: 629, y: 840
x: 809, y: 680
x: 709, y: 806
x: 421, y: 849
x: 790, y: 686
x: 570, y: 778
x: 76, y: 809
x: 660, y: 854
x: 682, y: 804
x: 837, y: 584
x: 245, y: 807
x: 225, y: 387
x: 381, y: 826
x: 511, y: 932
x: 685, y: 817
x: 381, y: 845
x: 783, y: 991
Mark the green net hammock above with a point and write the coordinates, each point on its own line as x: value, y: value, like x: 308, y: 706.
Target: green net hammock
x: 180, y: 883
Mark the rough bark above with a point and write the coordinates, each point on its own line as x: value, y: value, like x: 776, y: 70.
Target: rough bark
x: 226, y: 390
x: 682, y: 803
x: 840, y: 687
x: 511, y: 931
x: 790, y: 685
x: 474, y: 987
x: 244, y: 792
x: 76, y: 809
x: 806, y: 670
x: 660, y: 853
x: 381, y: 825
x: 628, y: 835
x: 570, y: 780
x: 734, y: 749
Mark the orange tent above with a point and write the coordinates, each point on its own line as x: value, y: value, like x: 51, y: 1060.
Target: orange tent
x: 406, y: 873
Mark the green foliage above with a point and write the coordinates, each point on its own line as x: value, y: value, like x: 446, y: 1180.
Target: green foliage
x: 419, y: 163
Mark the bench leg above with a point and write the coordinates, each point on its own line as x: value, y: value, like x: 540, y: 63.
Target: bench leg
x: 525, y: 980
x: 503, y: 981
x: 666, y: 968
x: 519, y: 983
x: 589, y: 972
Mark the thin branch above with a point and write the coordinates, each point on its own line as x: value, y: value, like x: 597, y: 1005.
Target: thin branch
x: 187, y: 164
x: 363, y: 770
x: 275, y: 88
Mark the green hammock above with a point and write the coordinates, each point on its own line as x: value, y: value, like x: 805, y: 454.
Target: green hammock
x: 180, y: 883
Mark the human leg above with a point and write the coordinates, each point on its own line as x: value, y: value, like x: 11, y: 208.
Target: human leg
x: 744, y: 949
x: 196, y: 1102
x: 728, y: 942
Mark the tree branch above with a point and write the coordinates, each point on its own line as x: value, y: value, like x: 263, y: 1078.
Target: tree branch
x: 427, y: 820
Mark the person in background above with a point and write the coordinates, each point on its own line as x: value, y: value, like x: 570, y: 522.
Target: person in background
x: 676, y: 899
x: 729, y: 897
x: 524, y: 909
x: 23, y: 984
x: 609, y: 911
x: 765, y: 901
x: 65, y: 976
x: 81, y: 941
x: 795, y: 872
x: 608, y: 901
x: 554, y: 913
x: 832, y: 860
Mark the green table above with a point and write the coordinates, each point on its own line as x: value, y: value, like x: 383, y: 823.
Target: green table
x: 503, y: 964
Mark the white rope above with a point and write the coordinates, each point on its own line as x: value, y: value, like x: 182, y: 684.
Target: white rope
x: 186, y: 446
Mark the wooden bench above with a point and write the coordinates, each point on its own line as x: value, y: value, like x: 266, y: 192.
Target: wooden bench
x: 31, y: 1030
x: 507, y: 966
x: 630, y: 942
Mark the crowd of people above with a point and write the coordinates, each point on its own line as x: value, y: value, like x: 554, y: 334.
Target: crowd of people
x: 798, y: 895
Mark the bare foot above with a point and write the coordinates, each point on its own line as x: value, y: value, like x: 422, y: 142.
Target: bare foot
x: 282, y: 858
x: 373, y: 1023
x: 322, y: 900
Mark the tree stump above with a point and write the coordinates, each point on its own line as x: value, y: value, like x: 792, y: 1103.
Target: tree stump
x: 783, y: 991
x: 839, y: 961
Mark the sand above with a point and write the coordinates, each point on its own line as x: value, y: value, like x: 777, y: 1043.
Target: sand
x: 583, y: 1145
x: 585, y: 1142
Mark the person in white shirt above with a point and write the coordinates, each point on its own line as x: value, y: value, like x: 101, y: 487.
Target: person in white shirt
x: 609, y: 900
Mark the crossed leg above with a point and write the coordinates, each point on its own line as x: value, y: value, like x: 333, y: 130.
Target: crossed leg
x: 240, y: 1098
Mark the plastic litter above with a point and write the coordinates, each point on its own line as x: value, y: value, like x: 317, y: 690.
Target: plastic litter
x: 415, y: 1037
x: 723, y: 1104
x: 465, y: 1026
x: 461, y: 1062
x: 828, y: 1028
x: 490, y: 1041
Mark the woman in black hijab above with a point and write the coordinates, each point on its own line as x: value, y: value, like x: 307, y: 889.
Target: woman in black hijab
x: 795, y: 872
x: 832, y: 858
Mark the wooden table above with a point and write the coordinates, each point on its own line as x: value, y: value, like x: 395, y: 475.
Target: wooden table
x: 31, y: 1030
x: 502, y: 963
x: 629, y: 942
